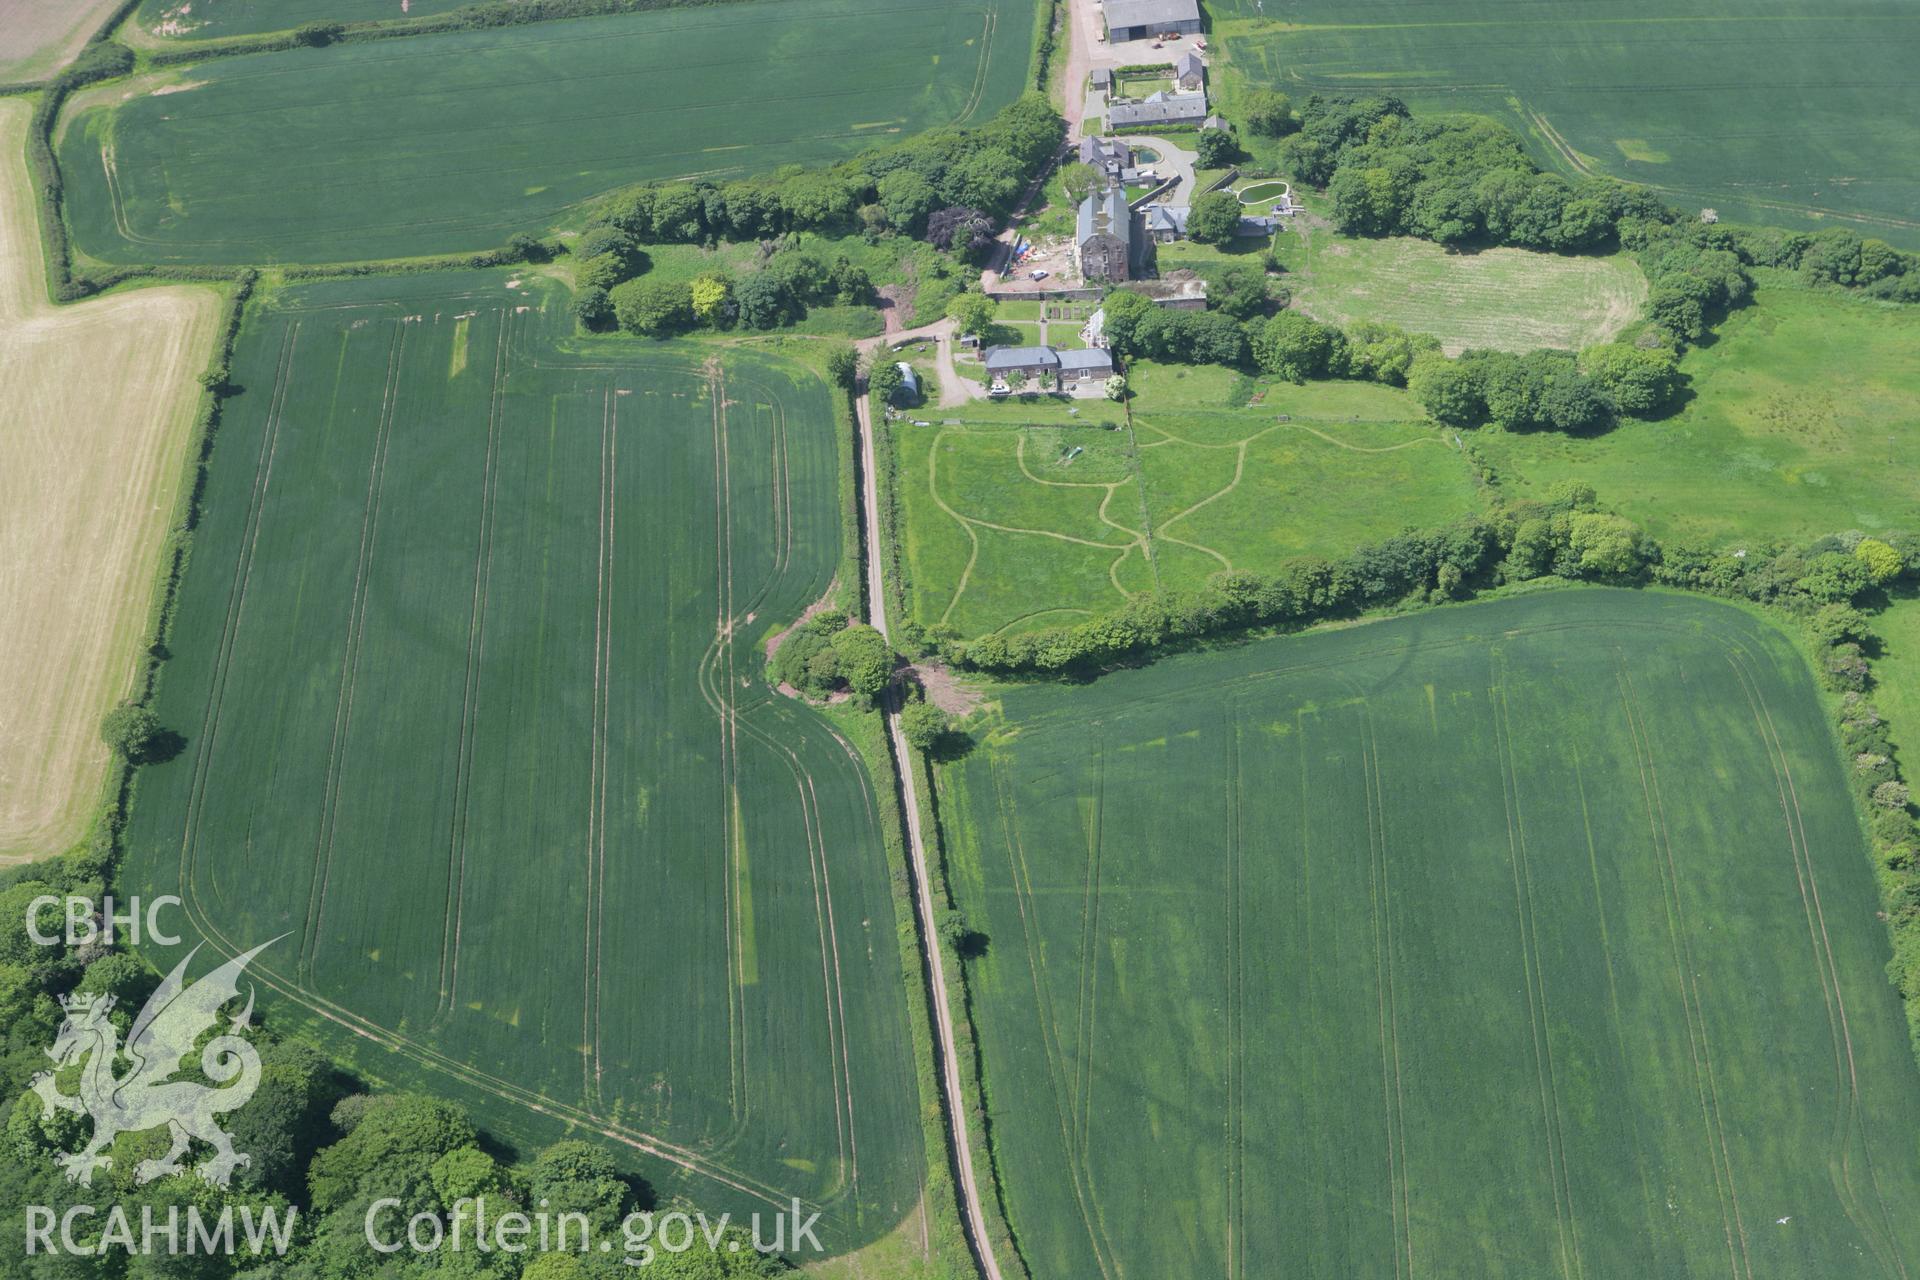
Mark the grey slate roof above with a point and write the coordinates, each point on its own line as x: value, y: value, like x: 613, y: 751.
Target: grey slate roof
x: 1102, y: 77
x: 1160, y: 108
x: 1214, y: 122
x: 1107, y: 153
x: 1157, y: 14
x: 1000, y: 359
x: 1168, y: 218
x: 1095, y: 360
x: 1104, y: 213
x: 1189, y: 63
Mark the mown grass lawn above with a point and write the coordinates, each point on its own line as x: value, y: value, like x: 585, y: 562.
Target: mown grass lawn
x: 1007, y: 527
x: 1508, y: 299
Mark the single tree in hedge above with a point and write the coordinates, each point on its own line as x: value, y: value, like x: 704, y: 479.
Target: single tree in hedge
x: 132, y: 731
x: 925, y: 726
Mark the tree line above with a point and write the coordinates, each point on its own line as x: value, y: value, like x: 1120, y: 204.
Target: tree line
x: 950, y: 188
x: 1567, y: 536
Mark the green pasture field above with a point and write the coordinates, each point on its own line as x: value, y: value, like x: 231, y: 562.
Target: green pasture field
x: 1507, y: 299
x: 1002, y: 532
x: 1802, y: 423
x: 211, y: 19
x: 1534, y: 938
x: 449, y: 143
x: 468, y: 665
x: 1786, y: 111
x: 1897, y: 673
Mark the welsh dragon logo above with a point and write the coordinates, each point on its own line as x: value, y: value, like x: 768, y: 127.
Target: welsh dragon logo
x: 158, y: 1045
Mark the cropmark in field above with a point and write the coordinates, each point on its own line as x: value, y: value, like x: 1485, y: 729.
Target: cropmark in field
x: 449, y: 143
x: 467, y: 668
x: 1010, y: 528
x: 1533, y: 938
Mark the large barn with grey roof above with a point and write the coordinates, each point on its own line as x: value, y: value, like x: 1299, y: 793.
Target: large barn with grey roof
x: 1139, y: 19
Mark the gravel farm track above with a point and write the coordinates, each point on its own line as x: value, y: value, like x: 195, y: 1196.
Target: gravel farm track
x: 96, y: 403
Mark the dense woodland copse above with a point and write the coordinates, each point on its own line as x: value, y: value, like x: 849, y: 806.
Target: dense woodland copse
x: 951, y: 188
x: 1469, y: 181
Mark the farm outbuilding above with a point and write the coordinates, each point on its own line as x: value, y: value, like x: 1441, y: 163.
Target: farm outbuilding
x: 1139, y: 19
x: 1189, y: 72
x: 1158, y: 108
x: 909, y: 392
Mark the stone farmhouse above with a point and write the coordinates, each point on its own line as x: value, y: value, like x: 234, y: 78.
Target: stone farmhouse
x: 1103, y: 236
x: 1070, y: 367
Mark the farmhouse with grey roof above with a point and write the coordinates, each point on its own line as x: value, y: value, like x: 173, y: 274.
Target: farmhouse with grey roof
x: 1103, y: 236
x: 1030, y: 361
x: 1139, y: 19
x: 1069, y: 366
x: 1158, y: 108
x: 1085, y: 366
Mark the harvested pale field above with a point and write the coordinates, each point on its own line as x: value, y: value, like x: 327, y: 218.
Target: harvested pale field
x: 1507, y: 299
x: 95, y: 405
x: 38, y: 37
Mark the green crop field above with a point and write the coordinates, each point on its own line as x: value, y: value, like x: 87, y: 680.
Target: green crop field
x: 468, y: 668
x: 1801, y: 424
x: 1789, y: 111
x: 1003, y: 531
x: 1531, y: 939
x: 1507, y: 299
x: 453, y: 142
x: 210, y: 19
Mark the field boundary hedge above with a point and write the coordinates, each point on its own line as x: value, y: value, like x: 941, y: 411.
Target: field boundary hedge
x: 972, y: 1065
x: 175, y: 554
x: 866, y: 729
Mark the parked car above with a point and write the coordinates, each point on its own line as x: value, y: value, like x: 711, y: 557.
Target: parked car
x: 1038, y: 275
